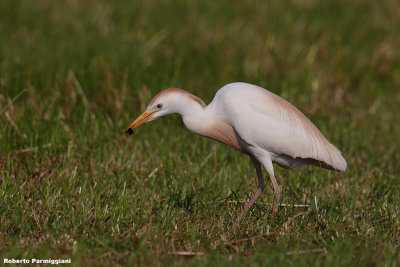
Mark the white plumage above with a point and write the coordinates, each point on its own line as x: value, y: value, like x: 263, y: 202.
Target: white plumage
x: 269, y: 122
x: 254, y: 121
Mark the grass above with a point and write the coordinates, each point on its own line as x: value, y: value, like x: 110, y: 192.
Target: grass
x: 74, y: 74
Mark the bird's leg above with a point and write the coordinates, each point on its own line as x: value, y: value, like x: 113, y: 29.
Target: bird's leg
x: 260, y: 189
x: 277, y: 194
x: 267, y: 163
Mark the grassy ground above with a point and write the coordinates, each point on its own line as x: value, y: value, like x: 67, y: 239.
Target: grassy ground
x: 74, y: 74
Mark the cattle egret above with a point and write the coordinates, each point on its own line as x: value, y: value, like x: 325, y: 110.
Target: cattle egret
x: 253, y: 121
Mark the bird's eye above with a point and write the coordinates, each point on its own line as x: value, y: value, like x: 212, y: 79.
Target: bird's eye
x: 159, y: 106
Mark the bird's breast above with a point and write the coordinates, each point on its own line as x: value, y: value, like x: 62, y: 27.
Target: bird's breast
x: 223, y: 133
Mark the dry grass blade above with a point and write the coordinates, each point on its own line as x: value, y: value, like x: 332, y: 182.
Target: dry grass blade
x: 31, y: 149
x: 265, y: 203
x: 78, y: 88
x: 316, y: 250
x: 185, y: 253
x: 294, y: 217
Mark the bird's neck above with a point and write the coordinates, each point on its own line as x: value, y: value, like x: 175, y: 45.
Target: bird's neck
x: 195, y: 116
x: 203, y: 120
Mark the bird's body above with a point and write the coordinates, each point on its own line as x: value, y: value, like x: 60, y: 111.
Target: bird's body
x: 254, y: 121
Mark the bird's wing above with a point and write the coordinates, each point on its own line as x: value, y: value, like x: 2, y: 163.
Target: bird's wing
x: 266, y: 120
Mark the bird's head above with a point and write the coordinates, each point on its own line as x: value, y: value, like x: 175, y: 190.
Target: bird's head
x: 159, y: 106
x: 166, y: 102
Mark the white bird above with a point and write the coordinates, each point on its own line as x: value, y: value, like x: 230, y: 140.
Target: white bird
x: 253, y: 121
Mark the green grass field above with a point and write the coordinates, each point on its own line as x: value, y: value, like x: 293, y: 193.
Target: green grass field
x: 74, y: 74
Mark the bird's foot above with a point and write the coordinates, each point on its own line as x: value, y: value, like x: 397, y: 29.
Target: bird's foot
x: 274, y: 210
x: 240, y: 217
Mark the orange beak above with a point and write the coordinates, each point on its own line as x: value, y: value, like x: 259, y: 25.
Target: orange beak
x: 145, y: 116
